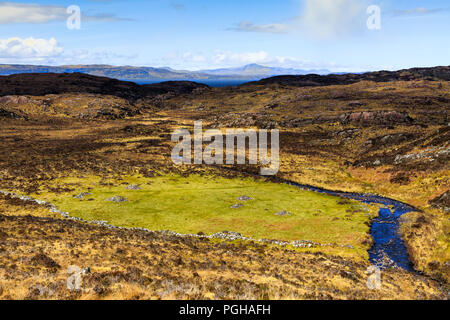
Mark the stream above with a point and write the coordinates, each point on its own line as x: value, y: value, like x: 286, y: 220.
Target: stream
x: 388, y: 249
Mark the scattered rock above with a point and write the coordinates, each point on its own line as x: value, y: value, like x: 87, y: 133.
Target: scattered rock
x: 133, y: 187
x: 82, y: 195
x: 431, y: 154
x: 385, y: 262
x: 349, y: 133
x: 283, y: 213
x: 244, y: 198
x: 228, y: 235
x: 261, y: 120
x: 376, y: 118
x: 117, y: 199
x: 393, y: 139
x: 237, y: 206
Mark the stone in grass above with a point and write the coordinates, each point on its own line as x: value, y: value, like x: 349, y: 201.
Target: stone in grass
x: 117, y: 199
x: 231, y: 233
x: 133, y: 187
x: 82, y: 195
x: 237, y: 206
x: 283, y: 213
x: 244, y: 198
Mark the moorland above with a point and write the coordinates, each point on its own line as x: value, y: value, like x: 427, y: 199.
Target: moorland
x: 100, y: 149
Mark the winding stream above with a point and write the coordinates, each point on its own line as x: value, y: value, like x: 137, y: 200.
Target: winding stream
x: 387, y: 241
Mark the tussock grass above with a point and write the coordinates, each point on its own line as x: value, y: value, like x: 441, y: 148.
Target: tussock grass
x: 129, y: 264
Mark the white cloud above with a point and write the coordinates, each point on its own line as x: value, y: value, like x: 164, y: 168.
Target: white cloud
x: 319, y: 18
x: 34, y: 13
x: 96, y: 57
x: 191, y: 57
x: 30, y: 13
x: 29, y: 49
x: 328, y: 18
x: 49, y: 52
x: 228, y: 59
x: 231, y: 58
x: 196, y: 61
x: 268, y: 28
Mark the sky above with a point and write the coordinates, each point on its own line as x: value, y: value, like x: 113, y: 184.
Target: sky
x: 200, y: 34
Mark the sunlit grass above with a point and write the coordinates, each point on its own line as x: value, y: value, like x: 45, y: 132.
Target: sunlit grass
x: 202, y: 204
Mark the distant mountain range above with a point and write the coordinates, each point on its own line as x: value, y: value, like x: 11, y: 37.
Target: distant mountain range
x: 249, y: 72
x: 45, y: 83
x: 256, y: 70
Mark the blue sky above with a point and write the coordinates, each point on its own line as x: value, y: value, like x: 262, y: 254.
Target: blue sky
x: 199, y: 34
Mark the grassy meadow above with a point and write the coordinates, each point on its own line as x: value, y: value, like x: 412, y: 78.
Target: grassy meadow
x: 203, y: 204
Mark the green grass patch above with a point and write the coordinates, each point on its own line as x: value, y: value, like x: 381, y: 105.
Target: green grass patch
x: 202, y: 204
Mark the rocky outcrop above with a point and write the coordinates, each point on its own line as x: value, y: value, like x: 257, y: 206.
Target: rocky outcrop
x: 376, y: 118
x: 245, y: 120
x: 14, y: 100
x: 442, y: 202
x: 430, y: 154
x: 367, y: 118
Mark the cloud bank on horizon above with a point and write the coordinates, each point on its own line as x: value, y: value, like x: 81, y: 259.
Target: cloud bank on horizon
x: 199, y: 34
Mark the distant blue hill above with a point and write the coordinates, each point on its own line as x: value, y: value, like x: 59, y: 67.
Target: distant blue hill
x: 249, y: 72
x: 256, y: 70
